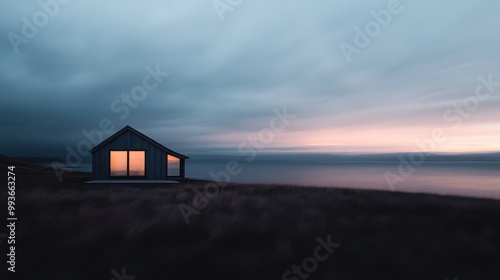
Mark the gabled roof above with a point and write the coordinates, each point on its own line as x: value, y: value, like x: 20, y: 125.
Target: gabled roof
x: 137, y: 133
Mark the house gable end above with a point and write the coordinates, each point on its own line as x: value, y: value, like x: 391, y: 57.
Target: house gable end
x: 129, y: 131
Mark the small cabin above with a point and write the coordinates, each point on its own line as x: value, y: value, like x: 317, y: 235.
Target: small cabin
x: 129, y: 154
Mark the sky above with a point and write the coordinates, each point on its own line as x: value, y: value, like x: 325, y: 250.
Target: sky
x: 333, y: 76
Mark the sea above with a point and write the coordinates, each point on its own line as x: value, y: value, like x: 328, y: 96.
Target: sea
x: 471, y: 176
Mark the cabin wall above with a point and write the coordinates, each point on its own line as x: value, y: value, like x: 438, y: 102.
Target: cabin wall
x: 156, y: 159
x: 183, y: 168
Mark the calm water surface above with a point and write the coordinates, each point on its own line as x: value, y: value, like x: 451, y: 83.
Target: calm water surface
x: 465, y: 179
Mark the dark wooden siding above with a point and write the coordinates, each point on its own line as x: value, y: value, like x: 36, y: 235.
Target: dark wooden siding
x: 156, y: 159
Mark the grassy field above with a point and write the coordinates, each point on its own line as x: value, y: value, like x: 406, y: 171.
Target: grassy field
x: 73, y: 230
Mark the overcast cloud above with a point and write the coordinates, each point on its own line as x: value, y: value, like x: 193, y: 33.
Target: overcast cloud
x: 226, y: 77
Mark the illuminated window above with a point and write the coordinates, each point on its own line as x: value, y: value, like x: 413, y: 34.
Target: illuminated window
x: 118, y: 162
x: 137, y: 163
x: 173, y: 166
x: 128, y: 163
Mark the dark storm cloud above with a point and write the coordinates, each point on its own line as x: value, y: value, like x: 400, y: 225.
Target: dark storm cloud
x: 227, y: 76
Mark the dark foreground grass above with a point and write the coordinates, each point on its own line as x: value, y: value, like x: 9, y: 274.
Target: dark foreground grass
x: 72, y: 230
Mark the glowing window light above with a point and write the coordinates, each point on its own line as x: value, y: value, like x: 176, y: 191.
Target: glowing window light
x: 137, y: 163
x: 118, y: 163
x: 173, y: 166
x: 127, y: 163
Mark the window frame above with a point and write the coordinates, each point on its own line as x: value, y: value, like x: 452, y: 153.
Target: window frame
x: 128, y: 176
x: 180, y: 166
